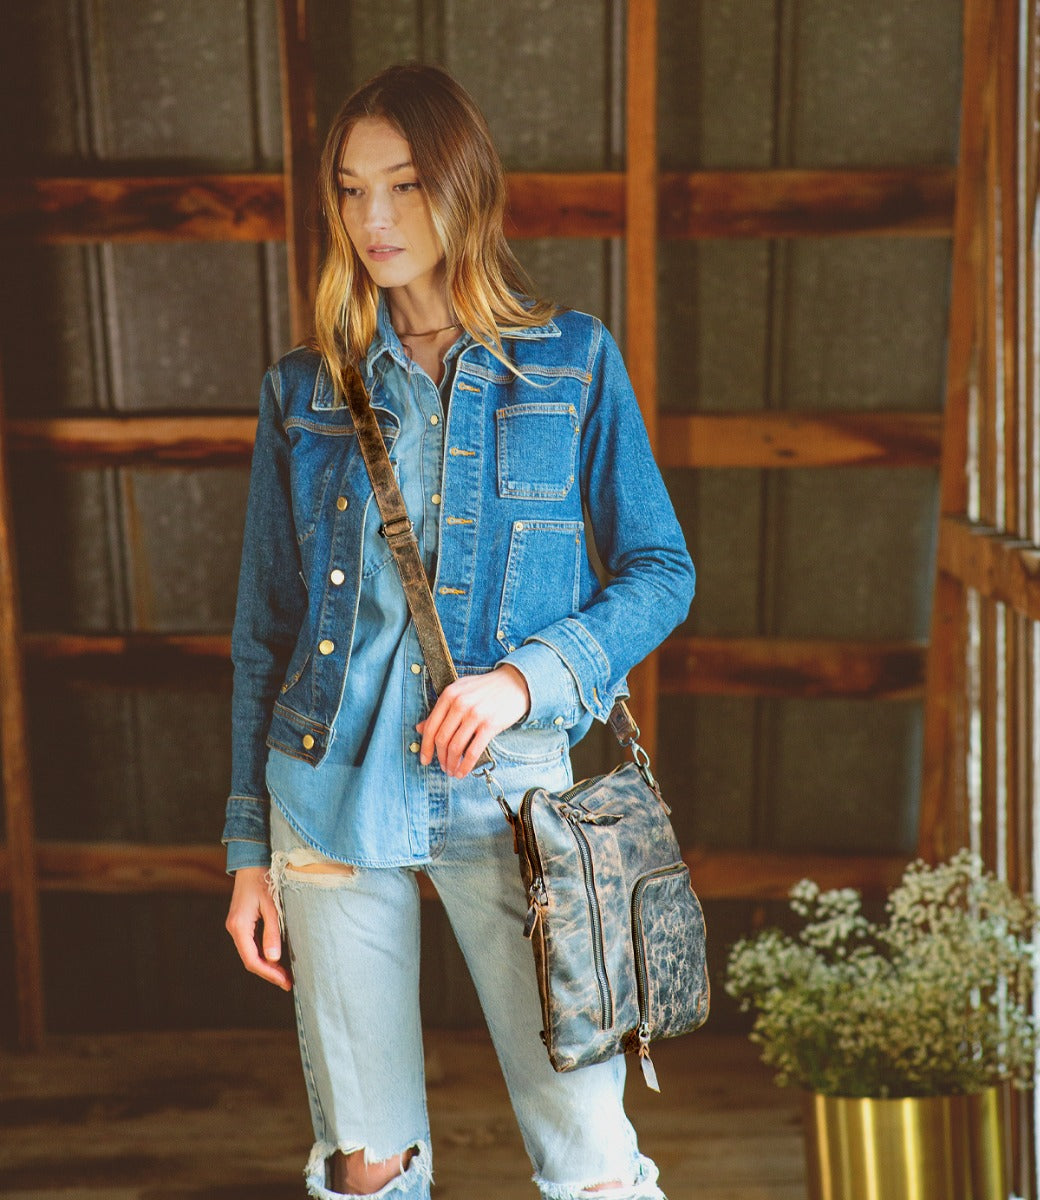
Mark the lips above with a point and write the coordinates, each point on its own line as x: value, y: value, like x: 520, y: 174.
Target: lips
x: 383, y: 253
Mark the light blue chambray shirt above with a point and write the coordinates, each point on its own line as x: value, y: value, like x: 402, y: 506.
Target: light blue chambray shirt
x: 368, y: 802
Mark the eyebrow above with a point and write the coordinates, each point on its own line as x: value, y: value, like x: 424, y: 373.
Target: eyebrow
x: 388, y: 171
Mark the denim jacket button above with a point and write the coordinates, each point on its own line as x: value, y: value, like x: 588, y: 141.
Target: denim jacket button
x: 416, y: 668
x: 435, y: 498
x: 557, y: 720
x: 307, y: 741
x: 341, y: 503
x: 327, y: 646
x: 414, y: 747
x: 337, y: 577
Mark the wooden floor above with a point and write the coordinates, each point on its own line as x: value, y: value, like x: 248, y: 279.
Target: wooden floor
x: 218, y: 1116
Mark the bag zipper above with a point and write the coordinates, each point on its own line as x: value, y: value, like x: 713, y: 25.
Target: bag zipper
x: 642, y: 980
x: 606, y: 1000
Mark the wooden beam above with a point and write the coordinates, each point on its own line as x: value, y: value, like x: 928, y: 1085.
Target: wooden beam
x: 160, y: 208
x: 1002, y: 568
x: 131, y: 659
x: 915, y: 201
x: 764, y: 439
x: 141, y: 440
x: 300, y: 154
x: 17, y: 789
x: 132, y: 868
x: 586, y: 205
x: 909, y: 202
x: 946, y: 653
x: 800, y: 439
x: 706, y: 666
x: 770, y: 875
x: 641, y: 205
x: 689, y: 666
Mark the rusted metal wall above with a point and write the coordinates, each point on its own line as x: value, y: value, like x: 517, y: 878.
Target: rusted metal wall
x: 745, y: 325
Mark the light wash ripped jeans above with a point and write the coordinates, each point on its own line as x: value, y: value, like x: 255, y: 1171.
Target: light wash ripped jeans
x: 353, y: 937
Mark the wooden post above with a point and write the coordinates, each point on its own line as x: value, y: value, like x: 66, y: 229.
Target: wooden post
x: 299, y: 151
x: 641, y: 208
x: 946, y: 646
x: 18, y: 810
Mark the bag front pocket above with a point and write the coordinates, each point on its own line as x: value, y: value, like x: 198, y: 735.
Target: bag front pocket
x: 599, y: 958
x: 669, y: 948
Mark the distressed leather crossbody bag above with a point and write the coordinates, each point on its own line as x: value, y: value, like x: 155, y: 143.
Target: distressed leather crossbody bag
x: 617, y: 930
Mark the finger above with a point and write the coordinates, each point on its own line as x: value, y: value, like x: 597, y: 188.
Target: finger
x: 272, y: 939
x: 454, y: 749
x: 242, y: 927
x: 440, y: 728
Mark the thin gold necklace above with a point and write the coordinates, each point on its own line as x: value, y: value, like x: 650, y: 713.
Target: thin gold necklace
x: 401, y: 333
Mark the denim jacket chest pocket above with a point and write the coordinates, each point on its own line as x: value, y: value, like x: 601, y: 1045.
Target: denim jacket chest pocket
x: 537, y: 436
x: 326, y: 467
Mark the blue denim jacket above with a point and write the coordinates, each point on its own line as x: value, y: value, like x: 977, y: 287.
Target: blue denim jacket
x: 522, y: 456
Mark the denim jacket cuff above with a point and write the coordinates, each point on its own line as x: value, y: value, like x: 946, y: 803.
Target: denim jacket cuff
x: 246, y: 820
x: 242, y: 854
x: 586, y: 660
x: 555, y: 703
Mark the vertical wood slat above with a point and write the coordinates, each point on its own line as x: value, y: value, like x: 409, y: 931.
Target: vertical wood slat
x: 948, y: 623
x: 641, y: 208
x: 14, y: 757
x: 299, y: 154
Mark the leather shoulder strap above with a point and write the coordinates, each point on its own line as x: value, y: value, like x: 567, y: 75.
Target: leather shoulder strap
x: 400, y: 536
x: 399, y: 532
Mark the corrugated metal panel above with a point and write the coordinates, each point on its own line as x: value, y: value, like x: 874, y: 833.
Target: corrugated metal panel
x: 188, y: 325
x: 756, y: 83
x: 717, y: 83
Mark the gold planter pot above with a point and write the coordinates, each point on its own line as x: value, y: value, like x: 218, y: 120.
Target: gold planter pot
x: 921, y: 1148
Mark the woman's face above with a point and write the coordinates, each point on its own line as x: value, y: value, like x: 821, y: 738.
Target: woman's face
x: 384, y: 208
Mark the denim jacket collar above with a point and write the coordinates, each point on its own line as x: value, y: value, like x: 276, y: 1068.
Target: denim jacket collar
x: 387, y: 343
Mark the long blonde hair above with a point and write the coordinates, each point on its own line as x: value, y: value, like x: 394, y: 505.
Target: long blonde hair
x: 462, y: 179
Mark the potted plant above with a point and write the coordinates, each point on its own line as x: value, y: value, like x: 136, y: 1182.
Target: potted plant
x: 900, y: 1031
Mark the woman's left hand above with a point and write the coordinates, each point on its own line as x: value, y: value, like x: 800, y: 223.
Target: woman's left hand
x: 468, y: 714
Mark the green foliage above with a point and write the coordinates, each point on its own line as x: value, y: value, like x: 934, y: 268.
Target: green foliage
x: 935, y: 1001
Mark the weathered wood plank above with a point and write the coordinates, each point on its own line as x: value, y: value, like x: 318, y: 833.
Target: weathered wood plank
x: 132, y: 868
x: 1001, y: 568
x: 141, y: 440
x: 234, y: 207
x: 223, y: 1115
x: 944, y: 698
x: 19, y: 819
x: 770, y: 875
x: 800, y: 439
x: 765, y: 439
x: 807, y: 668
x: 141, y: 659
x: 913, y: 202
x: 691, y: 666
x: 641, y: 205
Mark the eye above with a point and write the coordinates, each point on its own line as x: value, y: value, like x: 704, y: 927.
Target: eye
x: 349, y: 192
x: 411, y: 186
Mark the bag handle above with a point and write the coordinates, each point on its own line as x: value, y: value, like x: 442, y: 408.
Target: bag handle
x: 400, y: 536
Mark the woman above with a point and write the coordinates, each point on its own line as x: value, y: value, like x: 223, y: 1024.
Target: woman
x: 504, y: 418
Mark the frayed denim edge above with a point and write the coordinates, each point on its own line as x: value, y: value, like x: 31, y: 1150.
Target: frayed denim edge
x: 643, y: 1188
x: 314, y: 1171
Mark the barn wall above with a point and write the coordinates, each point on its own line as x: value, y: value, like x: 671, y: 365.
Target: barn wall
x: 144, y: 85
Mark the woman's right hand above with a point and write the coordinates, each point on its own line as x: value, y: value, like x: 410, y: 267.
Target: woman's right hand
x: 251, y: 902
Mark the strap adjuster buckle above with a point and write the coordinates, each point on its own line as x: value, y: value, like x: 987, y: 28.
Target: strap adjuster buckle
x: 400, y: 527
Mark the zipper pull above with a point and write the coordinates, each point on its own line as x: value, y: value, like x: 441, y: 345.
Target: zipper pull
x: 539, y: 900
x: 645, y: 1061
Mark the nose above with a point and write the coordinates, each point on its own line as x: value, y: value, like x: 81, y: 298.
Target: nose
x: 378, y: 212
